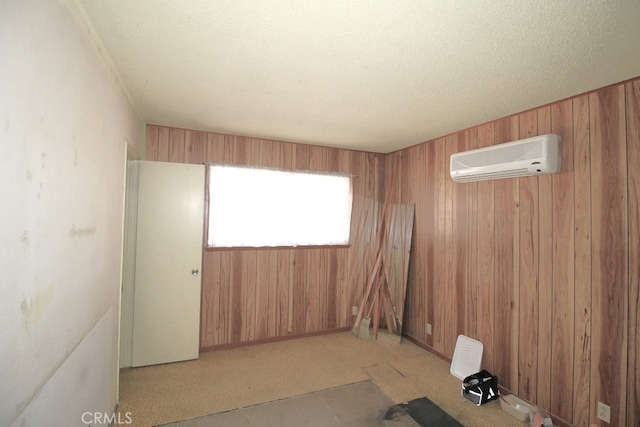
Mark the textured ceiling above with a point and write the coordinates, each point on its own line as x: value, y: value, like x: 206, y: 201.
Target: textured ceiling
x: 370, y: 75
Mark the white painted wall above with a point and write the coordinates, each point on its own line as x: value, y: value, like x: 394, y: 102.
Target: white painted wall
x: 64, y: 120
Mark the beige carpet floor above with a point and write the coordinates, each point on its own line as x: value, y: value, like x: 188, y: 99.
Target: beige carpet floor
x: 230, y: 379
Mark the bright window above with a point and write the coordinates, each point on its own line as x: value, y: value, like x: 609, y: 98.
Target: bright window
x: 253, y: 207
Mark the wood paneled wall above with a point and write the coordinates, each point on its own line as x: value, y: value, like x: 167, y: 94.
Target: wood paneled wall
x: 253, y: 295
x: 545, y: 271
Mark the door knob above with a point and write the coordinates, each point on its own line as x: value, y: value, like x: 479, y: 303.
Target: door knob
x: 194, y: 272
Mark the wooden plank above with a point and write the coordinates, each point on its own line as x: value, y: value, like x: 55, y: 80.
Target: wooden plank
x: 472, y: 287
x: 298, y: 315
x: 195, y: 150
x: 448, y: 287
x: 284, y: 301
x: 215, y: 148
x: 236, y: 315
x: 507, y: 266
x: 222, y: 261
x: 407, y: 173
x: 248, y: 294
x: 328, y: 269
x: 633, y: 160
x: 362, y: 212
x: 316, y: 293
x: 374, y: 191
x: 285, y: 155
x: 460, y: 239
x: 272, y: 294
x: 582, y: 275
x: 267, y: 281
x: 545, y: 274
x: 262, y: 294
x: 163, y: 144
x: 415, y: 308
x: 210, y: 300
x: 421, y: 307
x: 343, y: 311
x: 397, y: 261
x: 610, y: 252
x: 486, y: 258
x: 563, y: 267
x: 331, y: 282
x: 256, y: 289
x: 312, y: 291
x: 439, y: 325
x: 176, y: 145
x: 151, y: 147
x: 529, y: 243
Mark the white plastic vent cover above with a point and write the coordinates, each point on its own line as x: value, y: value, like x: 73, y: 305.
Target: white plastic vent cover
x: 532, y: 156
x: 467, y: 357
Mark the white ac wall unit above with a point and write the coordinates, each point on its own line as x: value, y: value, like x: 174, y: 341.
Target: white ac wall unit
x: 532, y: 156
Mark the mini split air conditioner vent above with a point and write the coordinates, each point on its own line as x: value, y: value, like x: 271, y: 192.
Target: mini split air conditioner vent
x: 532, y: 156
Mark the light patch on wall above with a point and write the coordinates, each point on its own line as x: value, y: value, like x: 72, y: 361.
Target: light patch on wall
x: 81, y: 232
x: 24, y: 238
x: 33, y: 308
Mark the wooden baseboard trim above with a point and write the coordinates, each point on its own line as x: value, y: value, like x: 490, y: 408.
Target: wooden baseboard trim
x: 427, y: 347
x: 271, y: 340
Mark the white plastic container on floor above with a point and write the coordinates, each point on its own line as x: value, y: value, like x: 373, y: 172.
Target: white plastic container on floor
x: 515, y: 407
x: 467, y: 357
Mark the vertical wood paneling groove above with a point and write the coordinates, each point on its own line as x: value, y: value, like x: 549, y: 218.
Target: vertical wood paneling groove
x: 545, y: 273
x: 236, y: 318
x: 426, y: 297
x: 151, y: 147
x: 447, y: 286
x: 633, y: 165
x: 471, y: 301
x: 439, y: 325
x: 162, y: 153
x: 422, y: 306
x: 460, y: 238
x: 582, y: 277
x: 210, y: 299
x: 609, y: 251
x: 529, y: 242
x: 176, y: 145
x: 486, y: 258
x: 507, y: 270
x: 563, y: 271
x: 224, y: 313
x: 195, y: 147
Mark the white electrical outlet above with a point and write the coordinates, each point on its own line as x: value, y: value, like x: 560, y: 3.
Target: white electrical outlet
x: 428, y: 328
x: 354, y: 310
x: 604, y: 412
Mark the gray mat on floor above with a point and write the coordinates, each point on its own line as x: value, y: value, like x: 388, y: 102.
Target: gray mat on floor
x: 424, y: 412
x: 360, y: 404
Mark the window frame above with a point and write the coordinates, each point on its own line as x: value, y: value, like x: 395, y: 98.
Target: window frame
x: 209, y: 247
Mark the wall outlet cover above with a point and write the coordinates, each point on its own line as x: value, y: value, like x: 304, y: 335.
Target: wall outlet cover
x: 604, y: 412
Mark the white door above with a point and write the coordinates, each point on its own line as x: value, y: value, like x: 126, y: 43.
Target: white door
x: 166, y: 307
